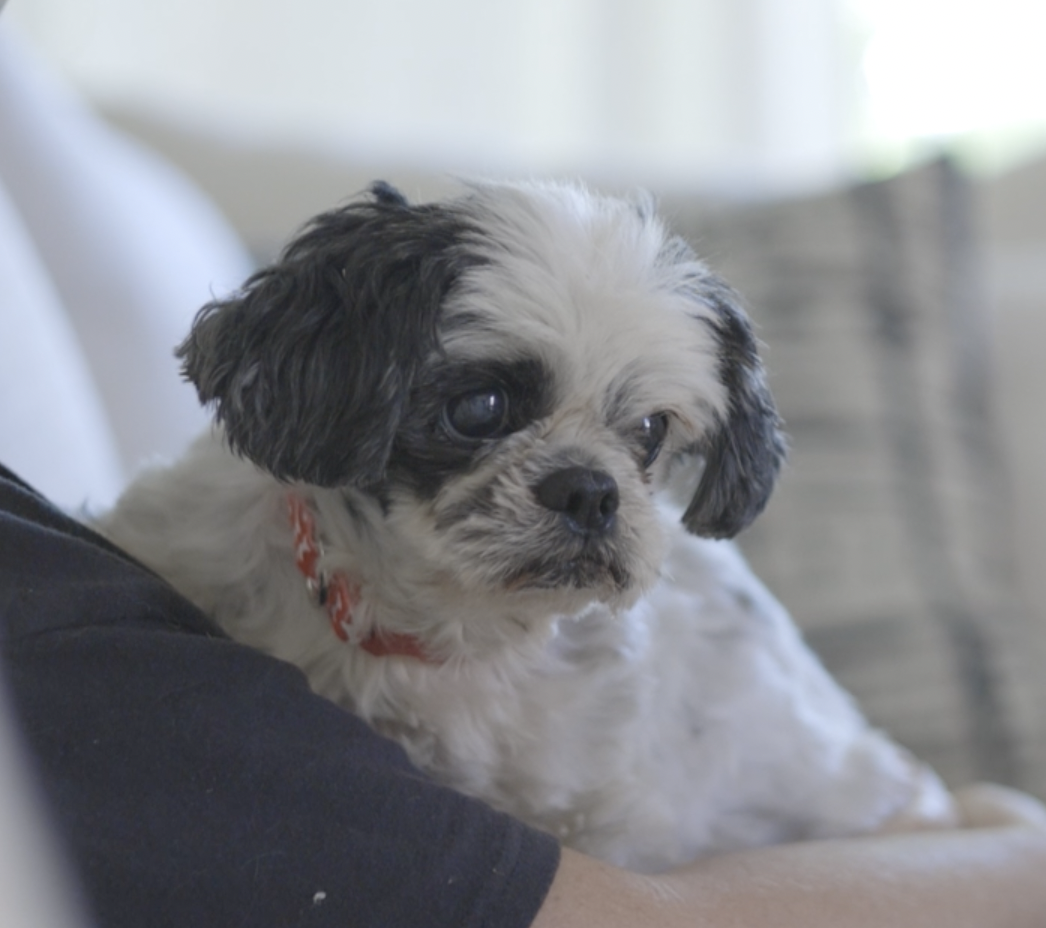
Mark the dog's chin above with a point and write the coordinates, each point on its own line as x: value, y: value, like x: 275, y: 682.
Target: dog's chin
x: 602, y: 576
x: 575, y: 573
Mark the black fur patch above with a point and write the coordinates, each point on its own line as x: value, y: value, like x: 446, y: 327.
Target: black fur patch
x: 310, y: 366
x: 744, y: 454
x: 426, y: 454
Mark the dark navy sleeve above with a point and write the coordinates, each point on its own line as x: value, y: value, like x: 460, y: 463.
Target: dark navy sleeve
x: 200, y: 783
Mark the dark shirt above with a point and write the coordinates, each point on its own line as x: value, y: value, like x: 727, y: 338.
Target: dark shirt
x: 200, y: 783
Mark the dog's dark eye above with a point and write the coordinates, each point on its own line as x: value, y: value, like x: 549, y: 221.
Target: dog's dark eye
x: 652, y: 431
x: 477, y: 415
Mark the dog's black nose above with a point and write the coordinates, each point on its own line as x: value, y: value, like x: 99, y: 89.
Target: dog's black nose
x: 587, y: 498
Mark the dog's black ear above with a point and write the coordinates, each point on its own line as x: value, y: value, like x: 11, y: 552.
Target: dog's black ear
x: 744, y: 452
x: 309, y: 366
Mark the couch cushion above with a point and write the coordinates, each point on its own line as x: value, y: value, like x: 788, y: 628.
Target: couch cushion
x: 1013, y: 207
x: 888, y: 536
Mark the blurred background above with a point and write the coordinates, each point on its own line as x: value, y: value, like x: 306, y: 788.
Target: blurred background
x: 753, y: 95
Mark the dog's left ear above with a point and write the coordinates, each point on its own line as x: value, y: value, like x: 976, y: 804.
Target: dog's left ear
x: 744, y: 452
x: 309, y: 367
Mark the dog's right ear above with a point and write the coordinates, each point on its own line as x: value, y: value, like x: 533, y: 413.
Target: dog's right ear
x: 309, y: 366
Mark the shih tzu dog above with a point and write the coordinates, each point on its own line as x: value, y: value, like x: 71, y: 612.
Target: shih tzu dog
x: 473, y: 467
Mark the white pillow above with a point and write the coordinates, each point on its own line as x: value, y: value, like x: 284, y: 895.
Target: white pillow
x: 132, y: 247
x: 53, y: 428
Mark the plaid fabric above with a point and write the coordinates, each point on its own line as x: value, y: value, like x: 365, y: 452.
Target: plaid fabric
x: 888, y: 536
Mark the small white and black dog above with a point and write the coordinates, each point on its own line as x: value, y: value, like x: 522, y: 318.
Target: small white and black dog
x: 471, y: 464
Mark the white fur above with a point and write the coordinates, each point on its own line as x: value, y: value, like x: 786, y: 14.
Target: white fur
x: 679, y: 715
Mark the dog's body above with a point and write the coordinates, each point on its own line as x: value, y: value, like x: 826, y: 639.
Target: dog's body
x: 464, y: 458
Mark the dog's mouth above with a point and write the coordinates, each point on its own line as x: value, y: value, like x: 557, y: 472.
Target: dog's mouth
x: 595, y: 569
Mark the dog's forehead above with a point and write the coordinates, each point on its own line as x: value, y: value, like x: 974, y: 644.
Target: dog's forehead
x: 591, y: 288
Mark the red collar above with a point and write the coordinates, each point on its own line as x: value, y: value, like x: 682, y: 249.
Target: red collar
x: 336, y: 593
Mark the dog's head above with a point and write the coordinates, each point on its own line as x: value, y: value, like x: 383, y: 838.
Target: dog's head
x: 513, y: 374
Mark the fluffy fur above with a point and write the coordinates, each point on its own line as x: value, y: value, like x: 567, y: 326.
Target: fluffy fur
x: 524, y: 419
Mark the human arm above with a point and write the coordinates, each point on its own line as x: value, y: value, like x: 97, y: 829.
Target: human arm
x: 988, y: 875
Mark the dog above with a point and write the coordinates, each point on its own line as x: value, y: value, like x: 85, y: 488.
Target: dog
x: 475, y: 468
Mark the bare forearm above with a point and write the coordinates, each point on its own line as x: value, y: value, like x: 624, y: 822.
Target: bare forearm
x: 990, y: 878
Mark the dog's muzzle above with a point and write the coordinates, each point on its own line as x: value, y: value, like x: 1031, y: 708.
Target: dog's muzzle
x: 584, y: 553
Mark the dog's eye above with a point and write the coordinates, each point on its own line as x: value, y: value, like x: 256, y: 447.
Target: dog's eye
x: 477, y: 415
x: 652, y: 431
